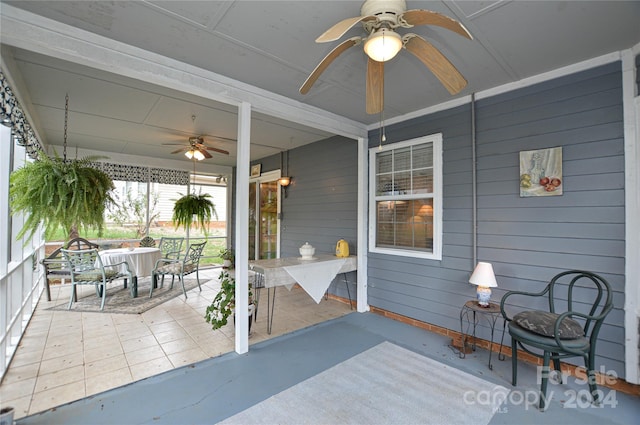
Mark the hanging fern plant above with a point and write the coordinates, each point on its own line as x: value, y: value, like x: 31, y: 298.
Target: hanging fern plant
x: 194, y: 209
x: 58, y: 193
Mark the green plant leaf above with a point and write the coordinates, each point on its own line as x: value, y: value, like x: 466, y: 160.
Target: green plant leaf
x: 222, y: 306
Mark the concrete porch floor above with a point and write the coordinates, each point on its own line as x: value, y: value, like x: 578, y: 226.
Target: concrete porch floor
x: 215, y: 389
x: 166, y: 366
x: 66, y: 356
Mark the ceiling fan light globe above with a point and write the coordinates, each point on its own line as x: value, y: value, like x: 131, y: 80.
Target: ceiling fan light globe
x: 189, y: 154
x: 383, y: 44
x: 198, y: 155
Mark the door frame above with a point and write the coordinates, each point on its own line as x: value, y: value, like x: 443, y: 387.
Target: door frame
x: 269, y: 176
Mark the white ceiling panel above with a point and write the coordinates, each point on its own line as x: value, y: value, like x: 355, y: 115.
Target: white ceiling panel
x: 270, y: 45
x: 543, y: 36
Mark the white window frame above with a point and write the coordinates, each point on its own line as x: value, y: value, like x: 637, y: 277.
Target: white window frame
x: 436, y: 140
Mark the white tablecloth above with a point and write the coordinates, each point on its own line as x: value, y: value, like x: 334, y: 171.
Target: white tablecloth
x: 314, y: 275
x: 141, y: 261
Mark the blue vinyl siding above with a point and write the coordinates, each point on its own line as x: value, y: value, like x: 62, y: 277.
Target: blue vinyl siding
x: 528, y: 240
x: 321, y: 205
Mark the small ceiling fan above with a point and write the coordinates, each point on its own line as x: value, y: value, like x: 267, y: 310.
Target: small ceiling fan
x: 380, y: 19
x: 197, y: 149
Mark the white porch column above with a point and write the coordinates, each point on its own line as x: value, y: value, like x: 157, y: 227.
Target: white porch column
x: 242, y: 227
x: 631, y: 105
x: 363, y: 222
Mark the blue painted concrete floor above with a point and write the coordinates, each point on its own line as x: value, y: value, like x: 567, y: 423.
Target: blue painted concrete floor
x: 214, y: 389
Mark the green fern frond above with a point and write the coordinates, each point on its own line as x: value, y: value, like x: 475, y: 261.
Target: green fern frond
x: 60, y: 194
x: 190, y: 206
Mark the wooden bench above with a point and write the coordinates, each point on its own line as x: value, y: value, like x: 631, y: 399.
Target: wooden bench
x: 55, y: 266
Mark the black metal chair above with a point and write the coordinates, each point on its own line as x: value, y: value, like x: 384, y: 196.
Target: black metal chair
x: 578, y: 302
x: 87, y: 269
x: 175, y: 267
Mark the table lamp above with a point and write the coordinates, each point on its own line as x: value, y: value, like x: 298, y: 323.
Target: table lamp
x: 484, y: 278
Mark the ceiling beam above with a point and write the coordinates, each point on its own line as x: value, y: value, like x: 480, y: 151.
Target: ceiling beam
x: 25, y: 30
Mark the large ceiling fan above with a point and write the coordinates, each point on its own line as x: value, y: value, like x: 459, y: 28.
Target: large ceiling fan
x: 380, y: 19
x: 195, y: 148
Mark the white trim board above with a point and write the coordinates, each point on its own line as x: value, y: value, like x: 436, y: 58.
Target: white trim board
x: 631, y: 111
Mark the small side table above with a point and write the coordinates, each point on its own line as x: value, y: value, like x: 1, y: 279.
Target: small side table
x: 469, y: 312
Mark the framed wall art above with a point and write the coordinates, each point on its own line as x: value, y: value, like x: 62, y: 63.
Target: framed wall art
x: 541, y: 172
x: 255, y: 170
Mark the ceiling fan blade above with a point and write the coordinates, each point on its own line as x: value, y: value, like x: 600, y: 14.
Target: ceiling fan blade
x: 205, y: 153
x: 427, y: 17
x: 327, y: 61
x: 375, y: 86
x: 222, y: 151
x: 339, y: 29
x: 448, y: 75
x: 180, y: 150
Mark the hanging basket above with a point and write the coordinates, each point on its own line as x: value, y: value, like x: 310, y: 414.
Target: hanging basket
x: 194, y: 209
x: 60, y: 193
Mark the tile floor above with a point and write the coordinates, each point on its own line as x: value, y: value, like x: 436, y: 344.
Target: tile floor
x: 215, y: 389
x: 65, y: 356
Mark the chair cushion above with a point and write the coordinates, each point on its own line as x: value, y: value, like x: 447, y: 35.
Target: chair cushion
x: 60, y: 272
x: 545, y: 342
x: 96, y: 275
x: 175, y: 268
x: 542, y: 323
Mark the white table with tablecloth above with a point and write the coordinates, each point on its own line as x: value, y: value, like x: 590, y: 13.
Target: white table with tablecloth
x: 141, y: 261
x: 313, y: 275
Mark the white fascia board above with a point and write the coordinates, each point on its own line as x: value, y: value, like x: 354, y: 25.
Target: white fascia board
x: 11, y: 73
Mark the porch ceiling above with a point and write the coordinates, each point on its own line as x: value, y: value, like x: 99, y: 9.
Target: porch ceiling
x: 269, y: 48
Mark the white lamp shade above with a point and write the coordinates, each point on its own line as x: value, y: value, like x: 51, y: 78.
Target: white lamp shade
x: 483, y: 276
x: 383, y: 45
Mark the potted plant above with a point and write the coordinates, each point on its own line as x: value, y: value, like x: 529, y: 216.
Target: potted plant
x: 6, y: 415
x: 223, y: 304
x: 68, y: 194
x: 192, y: 208
x: 228, y: 258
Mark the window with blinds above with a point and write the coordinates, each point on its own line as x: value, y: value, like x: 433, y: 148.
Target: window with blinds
x: 406, y: 198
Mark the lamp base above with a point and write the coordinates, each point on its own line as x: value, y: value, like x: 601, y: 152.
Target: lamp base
x: 484, y: 296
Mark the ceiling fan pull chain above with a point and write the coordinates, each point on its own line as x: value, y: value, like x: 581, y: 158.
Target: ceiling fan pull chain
x: 383, y: 136
x: 193, y: 187
x: 66, y: 118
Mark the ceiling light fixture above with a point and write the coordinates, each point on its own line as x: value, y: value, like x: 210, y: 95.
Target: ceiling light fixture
x: 383, y: 44
x: 198, y: 155
x: 194, y: 153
